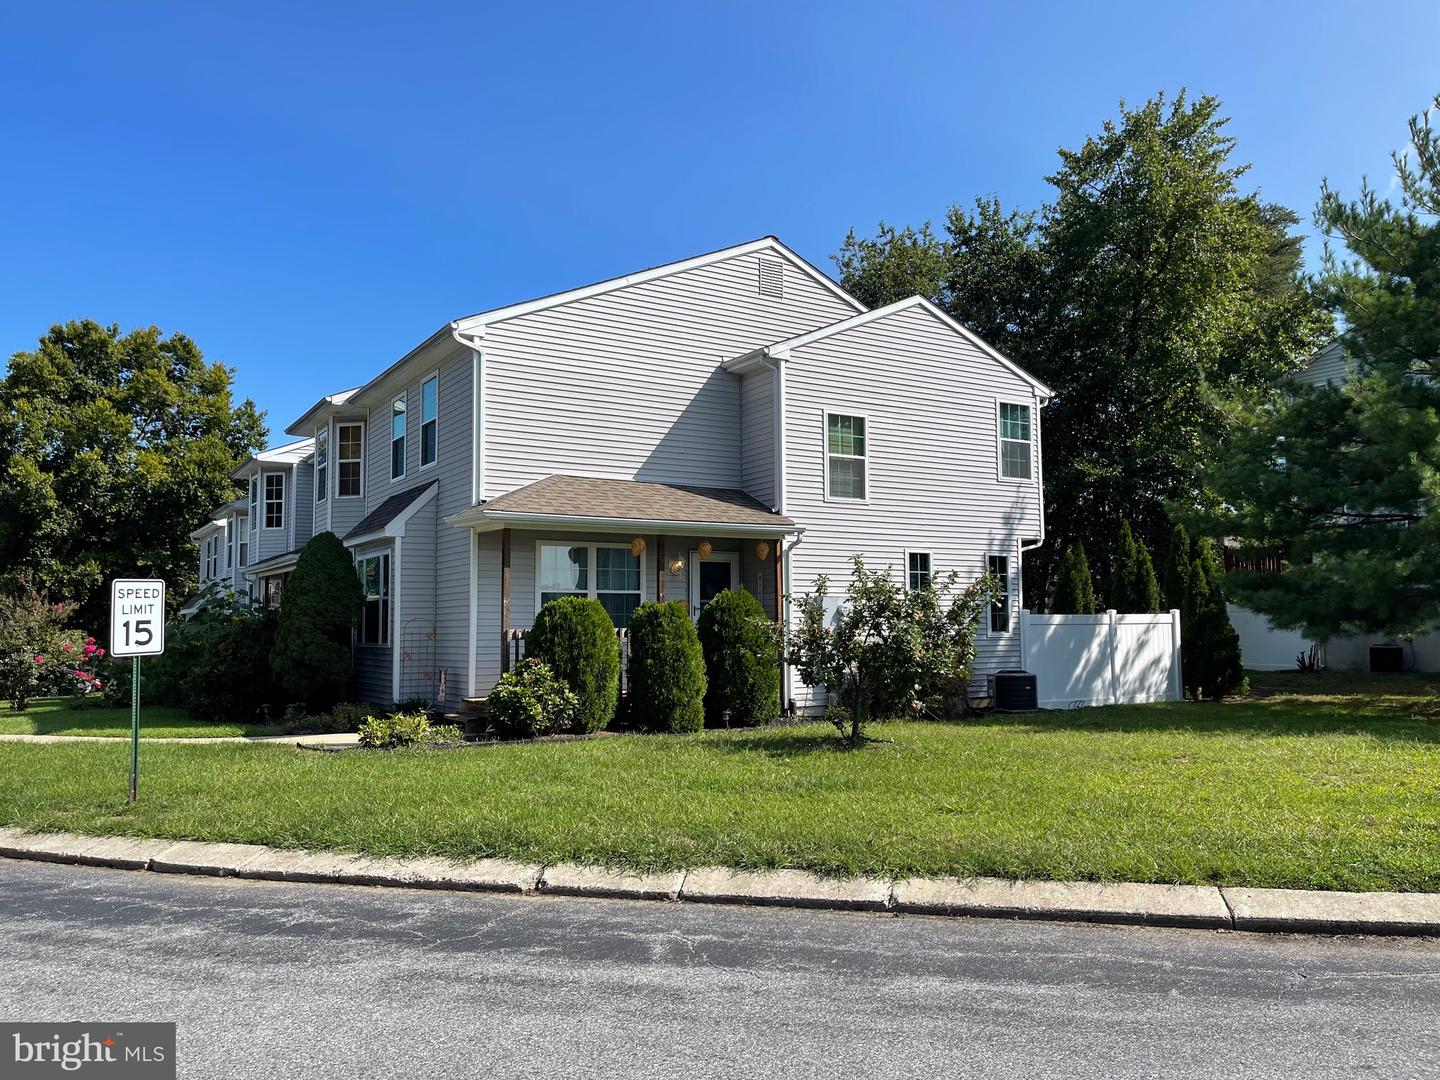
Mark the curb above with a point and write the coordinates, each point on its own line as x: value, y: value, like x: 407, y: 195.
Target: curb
x: 1293, y: 911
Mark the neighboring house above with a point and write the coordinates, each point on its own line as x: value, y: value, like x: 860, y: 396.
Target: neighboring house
x: 734, y: 420
x: 1267, y: 649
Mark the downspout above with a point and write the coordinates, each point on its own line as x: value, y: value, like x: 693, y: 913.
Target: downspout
x: 477, y: 492
x: 1040, y: 403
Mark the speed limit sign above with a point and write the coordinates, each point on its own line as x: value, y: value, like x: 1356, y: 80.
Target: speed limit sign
x: 137, y: 617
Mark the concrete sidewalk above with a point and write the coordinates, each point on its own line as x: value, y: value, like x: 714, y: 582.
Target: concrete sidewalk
x: 344, y: 738
x: 1202, y: 906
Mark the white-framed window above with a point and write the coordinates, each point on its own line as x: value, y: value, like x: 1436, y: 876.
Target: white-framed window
x: 274, y: 500
x: 999, y: 565
x: 254, y: 498
x: 350, y: 444
x: 605, y: 572
x: 322, y: 463
x: 242, y: 527
x: 208, y: 558
x: 429, y: 423
x: 397, y: 437
x: 846, y: 446
x: 374, y: 572
x: 274, y: 590
x: 229, y: 549
x: 917, y: 570
x: 1015, y: 442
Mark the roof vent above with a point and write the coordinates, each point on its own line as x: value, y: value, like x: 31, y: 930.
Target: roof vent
x: 772, y: 277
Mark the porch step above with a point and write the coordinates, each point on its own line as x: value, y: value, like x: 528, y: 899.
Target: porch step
x: 472, y: 706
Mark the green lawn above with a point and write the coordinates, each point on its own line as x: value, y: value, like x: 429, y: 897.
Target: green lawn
x: 66, y: 716
x: 1336, y: 785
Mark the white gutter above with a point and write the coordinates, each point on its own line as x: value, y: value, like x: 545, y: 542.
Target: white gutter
x: 483, y: 520
x: 1040, y: 403
x: 473, y: 341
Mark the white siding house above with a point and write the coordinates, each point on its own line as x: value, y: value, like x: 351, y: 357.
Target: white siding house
x: 662, y: 434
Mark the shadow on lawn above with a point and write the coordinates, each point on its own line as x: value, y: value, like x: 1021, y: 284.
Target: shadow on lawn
x: 1359, y: 714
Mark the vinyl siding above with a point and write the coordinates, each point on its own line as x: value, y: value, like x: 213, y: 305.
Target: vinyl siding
x: 628, y: 384
x: 415, y: 620
x: 374, y: 664
x: 270, y: 542
x: 1329, y: 365
x: 452, y: 551
x: 929, y: 397
x: 757, y: 434
x: 345, y: 514
x: 302, y: 504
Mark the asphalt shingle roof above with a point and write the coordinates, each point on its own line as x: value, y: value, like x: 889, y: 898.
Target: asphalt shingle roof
x: 638, y: 500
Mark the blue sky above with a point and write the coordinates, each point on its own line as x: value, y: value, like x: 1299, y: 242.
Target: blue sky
x: 309, y: 190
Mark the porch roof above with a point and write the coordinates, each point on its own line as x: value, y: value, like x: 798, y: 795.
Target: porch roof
x: 587, y: 501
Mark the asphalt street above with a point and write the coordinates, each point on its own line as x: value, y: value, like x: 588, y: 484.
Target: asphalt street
x: 274, y: 980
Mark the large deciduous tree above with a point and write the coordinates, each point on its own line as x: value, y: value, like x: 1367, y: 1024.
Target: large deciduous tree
x: 1342, y: 481
x: 1149, y: 294
x: 112, y: 447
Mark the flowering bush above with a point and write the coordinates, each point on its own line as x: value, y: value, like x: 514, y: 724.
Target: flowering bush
x: 532, y: 700
x: 38, y: 656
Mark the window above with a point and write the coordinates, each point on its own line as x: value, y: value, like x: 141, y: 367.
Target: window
x: 322, y: 462
x: 242, y: 529
x: 274, y: 590
x: 374, y: 571
x: 274, y: 500
x: 229, y: 549
x: 565, y: 571
x: 350, y: 439
x: 207, y: 558
x: 845, y: 456
x: 254, y: 497
x: 999, y: 565
x: 397, y: 438
x: 429, y: 407
x: 918, y: 570
x: 1014, y: 441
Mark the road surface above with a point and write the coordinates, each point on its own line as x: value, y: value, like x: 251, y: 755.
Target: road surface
x: 277, y: 980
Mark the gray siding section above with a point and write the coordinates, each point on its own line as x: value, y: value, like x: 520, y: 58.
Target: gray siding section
x: 452, y: 546
x: 374, y: 664
x: 415, y: 619
x: 629, y: 385
x: 270, y: 542
x: 345, y: 514
x: 1329, y: 366
x: 302, y: 504
x: 757, y: 434
x: 930, y: 397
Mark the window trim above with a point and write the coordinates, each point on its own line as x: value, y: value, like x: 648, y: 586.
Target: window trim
x: 346, y: 461
x: 404, y: 439
x: 1000, y: 444
x: 593, y: 572
x: 990, y: 630
x: 930, y: 566
x: 230, y: 547
x: 434, y: 377
x: 254, y: 515
x: 386, y: 599
x: 322, y: 463
x: 265, y: 502
x: 857, y: 414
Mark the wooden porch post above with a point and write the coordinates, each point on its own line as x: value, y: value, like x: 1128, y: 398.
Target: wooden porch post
x: 660, y: 568
x: 779, y: 580
x: 504, y: 600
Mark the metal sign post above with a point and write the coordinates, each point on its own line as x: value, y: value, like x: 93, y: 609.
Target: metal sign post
x: 137, y: 628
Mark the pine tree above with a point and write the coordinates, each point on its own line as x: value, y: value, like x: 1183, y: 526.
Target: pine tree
x: 1074, y: 591
x: 1144, y: 589
x: 1177, y: 569
x: 1124, y: 571
x: 311, y: 656
x: 1209, y: 645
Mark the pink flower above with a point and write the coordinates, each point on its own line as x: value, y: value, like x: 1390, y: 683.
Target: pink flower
x: 99, y: 652
x: 89, y: 641
x: 39, y: 659
x: 89, y: 650
x: 68, y: 647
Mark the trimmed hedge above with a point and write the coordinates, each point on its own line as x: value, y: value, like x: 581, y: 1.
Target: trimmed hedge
x: 667, y: 669
x: 532, y: 700
x: 742, y: 661
x: 575, y: 636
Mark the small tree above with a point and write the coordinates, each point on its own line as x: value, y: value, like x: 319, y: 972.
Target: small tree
x: 575, y: 636
x: 1209, y: 645
x: 1074, y: 589
x: 742, y: 663
x: 221, y: 659
x: 1135, y: 590
x: 1177, y: 569
x: 667, y: 669
x: 311, y: 657
x: 38, y: 655
x: 887, y: 649
x: 532, y: 700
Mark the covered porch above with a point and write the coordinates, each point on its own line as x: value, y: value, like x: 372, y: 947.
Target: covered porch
x: 621, y: 542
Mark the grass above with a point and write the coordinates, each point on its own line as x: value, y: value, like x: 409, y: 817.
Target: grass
x: 69, y: 716
x: 1325, y: 783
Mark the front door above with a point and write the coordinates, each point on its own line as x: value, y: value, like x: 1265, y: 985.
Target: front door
x: 709, y: 576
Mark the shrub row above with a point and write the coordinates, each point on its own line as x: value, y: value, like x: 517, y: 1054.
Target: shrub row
x: 726, y: 673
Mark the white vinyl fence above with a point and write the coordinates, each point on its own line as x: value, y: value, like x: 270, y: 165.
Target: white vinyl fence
x: 1106, y: 659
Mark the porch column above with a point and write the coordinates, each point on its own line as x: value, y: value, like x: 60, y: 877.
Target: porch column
x: 660, y: 568
x: 504, y: 600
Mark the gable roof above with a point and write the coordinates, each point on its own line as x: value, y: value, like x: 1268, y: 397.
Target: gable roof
x: 286, y: 454
x: 474, y: 325
x: 377, y: 523
x: 782, y: 349
x: 592, y: 500
x: 329, y: 401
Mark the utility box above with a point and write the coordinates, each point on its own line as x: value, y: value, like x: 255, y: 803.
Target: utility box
x: 1387, y: 658
x: 1014, y: 690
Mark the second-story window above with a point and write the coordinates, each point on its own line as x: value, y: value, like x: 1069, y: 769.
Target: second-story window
x: 242, y: 526
x: 254, y: 497
x: 274, y: 500
x: 1014, y: 441
x: 429, y: 410
x: 230, y: 549
x: 322, y: 463
x: 397, y: 438
x: 350, y: 441
x: 845, y: 452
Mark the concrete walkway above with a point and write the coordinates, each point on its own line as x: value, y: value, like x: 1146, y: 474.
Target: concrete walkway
x: 344, y: 738
x: 1202, y: 906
